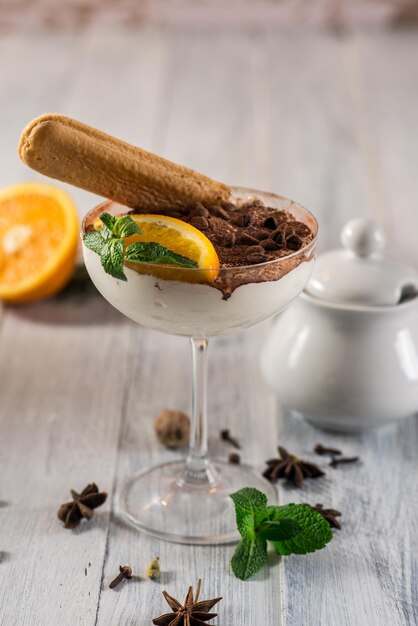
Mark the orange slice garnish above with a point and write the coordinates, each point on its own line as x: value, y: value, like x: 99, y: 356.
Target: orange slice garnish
x: 181, y: 238
x: 38, y: 241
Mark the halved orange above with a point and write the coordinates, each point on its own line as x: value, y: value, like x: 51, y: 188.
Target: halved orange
x: 181, y: 238
x: 38, y: 241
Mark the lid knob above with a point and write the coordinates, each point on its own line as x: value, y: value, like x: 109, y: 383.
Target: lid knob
x: 363, y: 237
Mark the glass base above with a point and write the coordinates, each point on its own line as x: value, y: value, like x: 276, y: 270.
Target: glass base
x: 158, y: 502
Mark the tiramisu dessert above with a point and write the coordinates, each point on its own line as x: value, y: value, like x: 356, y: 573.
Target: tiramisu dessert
x: 183, y: 254
x: 254, y: 267
x: 249, y: 252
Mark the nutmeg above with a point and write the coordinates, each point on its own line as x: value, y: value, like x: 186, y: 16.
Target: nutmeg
x: 172, y: 428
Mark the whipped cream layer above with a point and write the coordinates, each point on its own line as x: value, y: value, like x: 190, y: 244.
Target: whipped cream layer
x: 198, y: 310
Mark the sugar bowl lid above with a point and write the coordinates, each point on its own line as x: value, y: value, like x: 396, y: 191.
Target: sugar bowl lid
x: 360, y: 273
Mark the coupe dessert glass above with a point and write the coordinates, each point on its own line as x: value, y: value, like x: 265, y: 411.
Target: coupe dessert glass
x: 188, y: 501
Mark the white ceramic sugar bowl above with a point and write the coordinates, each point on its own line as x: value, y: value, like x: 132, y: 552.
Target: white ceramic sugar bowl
x: 344, y: 355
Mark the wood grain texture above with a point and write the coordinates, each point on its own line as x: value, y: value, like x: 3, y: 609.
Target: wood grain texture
x: 323, y: 119
x: 60, y: 416
x: 152, y: 389
x: 317, y: 151
x: 388, y: 73
x: 344, y: 155
x: 358, y: 579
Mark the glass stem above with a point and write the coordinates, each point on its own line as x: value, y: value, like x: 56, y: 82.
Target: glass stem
x: 198, y: 470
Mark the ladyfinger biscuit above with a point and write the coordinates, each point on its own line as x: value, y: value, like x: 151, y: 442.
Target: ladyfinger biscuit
x: 75, y: 153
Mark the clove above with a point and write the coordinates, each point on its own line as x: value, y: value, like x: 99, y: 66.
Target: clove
x: 226, y: 436
x: 320, y: 449
x: 343, y: 459
x: 125, y: 571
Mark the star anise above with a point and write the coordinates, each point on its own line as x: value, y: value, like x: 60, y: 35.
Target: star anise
x: 329, y: 514
x: 291, y: 468
x: 191, y: 613
x: 82, y: 505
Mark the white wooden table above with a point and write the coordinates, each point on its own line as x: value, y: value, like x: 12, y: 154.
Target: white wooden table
x: 331, y: 121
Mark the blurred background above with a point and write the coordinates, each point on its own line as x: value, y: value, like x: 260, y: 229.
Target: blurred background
x: 320, y: 13
x: 316, y: 100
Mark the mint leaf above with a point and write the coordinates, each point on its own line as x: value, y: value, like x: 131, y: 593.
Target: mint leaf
x: 94, y: 241
x: 246, y: 526
x: 111, y: 257
x: 315, y: 530
x: 280, y: 530
x: 151, y: 252
x: 106, y: 233
x: 123, y: 226
x: 110, y: 250
x: 250, y: 509
x: 249, y: 557
x: 108, y: 220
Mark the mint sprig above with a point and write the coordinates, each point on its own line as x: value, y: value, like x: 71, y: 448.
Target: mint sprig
x: 293, y: 529
x: 94, y: 241
x: 108, y: 243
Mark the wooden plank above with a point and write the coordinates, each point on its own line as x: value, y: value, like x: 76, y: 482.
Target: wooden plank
x: 365, y: 576
x: 316, y: 148
x: 153, y: 388
x: 37, y: 74
x: 208, y: 124
x: 388, y: 74
x: 63, y: 426
x: 118, y: 88
x: 59, y: 415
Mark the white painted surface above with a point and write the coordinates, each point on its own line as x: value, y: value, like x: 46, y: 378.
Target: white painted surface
x: 329, y: 121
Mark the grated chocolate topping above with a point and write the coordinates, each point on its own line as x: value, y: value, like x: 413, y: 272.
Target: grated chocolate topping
x: 245, y: 235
